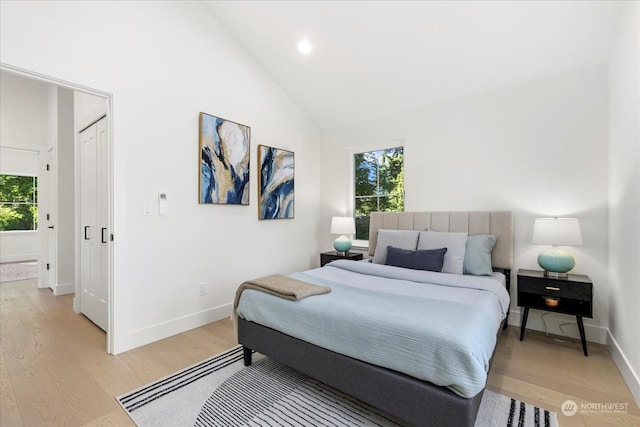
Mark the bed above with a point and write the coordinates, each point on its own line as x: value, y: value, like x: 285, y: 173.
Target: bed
x: 381, y: 374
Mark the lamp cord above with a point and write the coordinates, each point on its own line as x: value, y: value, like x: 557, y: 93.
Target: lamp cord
x: 546, y: 330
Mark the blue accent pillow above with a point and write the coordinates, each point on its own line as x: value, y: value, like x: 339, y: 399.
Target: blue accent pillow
x: 425, y: 259
x: 477, y: 258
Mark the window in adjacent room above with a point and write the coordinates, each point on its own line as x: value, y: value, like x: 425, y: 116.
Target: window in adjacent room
x: 378, y: 185
x: 18, y: 202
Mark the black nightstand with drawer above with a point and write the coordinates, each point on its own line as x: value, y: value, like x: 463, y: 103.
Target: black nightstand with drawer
x: 327, y: 257
x: 570, y: 295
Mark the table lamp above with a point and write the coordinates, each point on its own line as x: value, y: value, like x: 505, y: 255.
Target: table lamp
x: 556, y: 232
x: 342, y: 225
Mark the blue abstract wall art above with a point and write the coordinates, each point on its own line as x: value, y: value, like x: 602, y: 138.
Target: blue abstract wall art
x: 275, y: 183
x: 224, y: 161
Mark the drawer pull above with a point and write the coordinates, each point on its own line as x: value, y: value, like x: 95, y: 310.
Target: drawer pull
x: 552, y: 288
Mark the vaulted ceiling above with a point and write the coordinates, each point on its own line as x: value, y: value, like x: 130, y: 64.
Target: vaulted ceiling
x: 375, y: 58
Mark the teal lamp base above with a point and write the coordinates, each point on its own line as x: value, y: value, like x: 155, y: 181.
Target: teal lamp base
x: 556, y: 262
x: 342, y: 244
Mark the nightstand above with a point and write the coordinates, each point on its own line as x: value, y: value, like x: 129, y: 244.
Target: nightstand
x: 327, y: 257
x: 569, y: 295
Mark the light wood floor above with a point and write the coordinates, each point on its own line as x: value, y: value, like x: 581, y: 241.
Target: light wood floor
x: 54, y: 369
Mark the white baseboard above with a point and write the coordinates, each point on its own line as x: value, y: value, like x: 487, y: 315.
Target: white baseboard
x: 625, y: 368
x: 64, y: 289
x: 593, y: 333
x: 149, y: 334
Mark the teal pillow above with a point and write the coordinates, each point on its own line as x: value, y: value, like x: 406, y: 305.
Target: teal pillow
x: 477, y: 258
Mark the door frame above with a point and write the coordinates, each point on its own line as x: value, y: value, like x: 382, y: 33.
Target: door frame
x: 52, y: 219
x: 109, y: 98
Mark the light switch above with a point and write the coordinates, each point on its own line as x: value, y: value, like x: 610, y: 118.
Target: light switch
x: 162, y: 203
x: 148, y: 209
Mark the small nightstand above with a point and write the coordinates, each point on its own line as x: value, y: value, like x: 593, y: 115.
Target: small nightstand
x: 569, y: 295
x: 327, y: 257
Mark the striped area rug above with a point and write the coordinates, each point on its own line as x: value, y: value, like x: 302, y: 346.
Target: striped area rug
x: 222, y: 392
x: 268, y: 392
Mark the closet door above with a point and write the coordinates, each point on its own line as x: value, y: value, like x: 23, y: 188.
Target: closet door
x: 93, y: 220
x: 102, y: 290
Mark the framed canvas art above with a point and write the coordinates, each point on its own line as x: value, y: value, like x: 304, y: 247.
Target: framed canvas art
x: 275, y: 183
x: 224, y: 161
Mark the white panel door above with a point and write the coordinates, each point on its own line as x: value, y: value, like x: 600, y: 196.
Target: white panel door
x: 93, y: 232
x: 102, y: 285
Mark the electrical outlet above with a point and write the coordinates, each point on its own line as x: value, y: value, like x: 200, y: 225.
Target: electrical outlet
x: 202, y: 288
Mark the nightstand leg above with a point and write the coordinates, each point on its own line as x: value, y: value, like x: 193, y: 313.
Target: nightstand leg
x: 524, y: 322
x: 584, y: 341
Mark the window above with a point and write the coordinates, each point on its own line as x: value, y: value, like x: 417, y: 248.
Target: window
x: 18, y: 202
x: 379, y: 185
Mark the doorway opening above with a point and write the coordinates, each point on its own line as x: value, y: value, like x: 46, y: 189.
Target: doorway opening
x: 59, y: 226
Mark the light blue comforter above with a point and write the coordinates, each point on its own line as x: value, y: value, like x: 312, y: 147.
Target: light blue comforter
x: 436, y: 327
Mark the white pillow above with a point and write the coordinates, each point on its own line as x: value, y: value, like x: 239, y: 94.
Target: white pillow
x: 456, y: 244
x: 403, y: 239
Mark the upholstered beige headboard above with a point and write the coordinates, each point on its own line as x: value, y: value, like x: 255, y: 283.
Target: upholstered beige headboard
x: 499, y: 224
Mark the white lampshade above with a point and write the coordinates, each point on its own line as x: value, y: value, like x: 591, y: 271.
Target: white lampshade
x: 343, y: 225
x: 557, y: 232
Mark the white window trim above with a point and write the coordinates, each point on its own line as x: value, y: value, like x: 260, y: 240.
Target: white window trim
x: 18, y: 232
x: 26, y: 203
x: 364, y: 244
x: 360, y: 244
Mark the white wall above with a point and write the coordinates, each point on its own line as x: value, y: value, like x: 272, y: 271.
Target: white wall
x: 24, y: 115
x: 25, y: 124
x: 537, y: 149
x: 18, y: 161
x: 624, y: 197
x: 164, y: 62
x: 65, y: 207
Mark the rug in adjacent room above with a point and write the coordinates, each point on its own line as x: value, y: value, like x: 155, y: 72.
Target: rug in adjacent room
x: 220, y: 391
x: 14, y: 271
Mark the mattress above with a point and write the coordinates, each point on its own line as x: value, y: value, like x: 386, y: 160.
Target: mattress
x: 435, y: 327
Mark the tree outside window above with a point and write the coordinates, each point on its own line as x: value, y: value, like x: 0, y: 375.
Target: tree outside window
x: 379, y: 185
x: 18, y: 202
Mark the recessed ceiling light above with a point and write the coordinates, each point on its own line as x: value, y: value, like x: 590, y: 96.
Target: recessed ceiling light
x: 304, y: 47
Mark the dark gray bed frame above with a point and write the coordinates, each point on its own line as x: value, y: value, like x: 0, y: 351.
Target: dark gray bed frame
x: 418, y: 402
